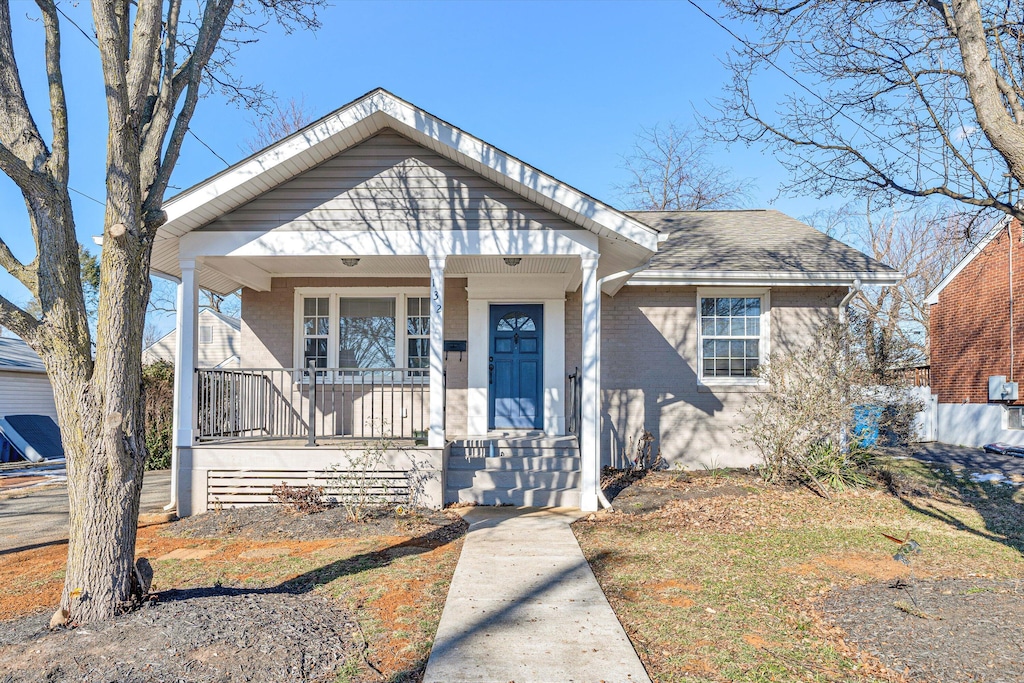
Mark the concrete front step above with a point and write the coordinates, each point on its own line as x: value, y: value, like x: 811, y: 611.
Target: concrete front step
x: 532, y: 464
x: 522, y: 470
x: 517, y: 497
x: 512, y: 479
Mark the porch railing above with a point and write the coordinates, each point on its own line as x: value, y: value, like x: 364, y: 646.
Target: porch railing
x: 574, y: 409
x: 312, y: 403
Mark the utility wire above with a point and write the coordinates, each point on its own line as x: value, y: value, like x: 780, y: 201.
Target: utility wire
x: 785, y: 73
x: 86, y: 196
x: 95, y: 44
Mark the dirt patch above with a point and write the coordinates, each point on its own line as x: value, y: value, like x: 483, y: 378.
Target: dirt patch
x: 215, y: 634
x: 275, y: 522
x: 970, y: 629
x: 647, y: 491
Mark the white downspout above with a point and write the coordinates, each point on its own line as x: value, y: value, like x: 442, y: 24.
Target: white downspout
x: 176, y: 388
x: 854, y: 290
x: 601, y: 498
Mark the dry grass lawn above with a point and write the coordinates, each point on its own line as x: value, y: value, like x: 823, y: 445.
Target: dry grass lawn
x: 724, y: 582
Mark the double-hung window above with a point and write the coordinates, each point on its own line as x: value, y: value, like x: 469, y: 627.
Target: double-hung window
x: 733, y: 336
x: 362, y: 328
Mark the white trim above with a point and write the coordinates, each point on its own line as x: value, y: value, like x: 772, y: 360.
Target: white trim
x: 764, y: 340
x: 357, y: 121
x: 933, y: 296
x: 491, y: 242
x: 435, y: 435
x: 662, y: 278
x: 590, y: 394
x: 399, y: 294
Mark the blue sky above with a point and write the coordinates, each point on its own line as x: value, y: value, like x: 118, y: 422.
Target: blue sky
x: 564, y: 86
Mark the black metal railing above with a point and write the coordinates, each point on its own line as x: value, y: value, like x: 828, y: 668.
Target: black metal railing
x: 573, y: 412
x: 308, y: 403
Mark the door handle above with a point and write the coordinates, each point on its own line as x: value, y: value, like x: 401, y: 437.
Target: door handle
x: 490, y: 373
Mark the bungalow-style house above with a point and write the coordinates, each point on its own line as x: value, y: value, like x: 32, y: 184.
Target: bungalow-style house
x: 217, y: 342
x: 976, y: 338
x: 496, y: 334
x: 24, y: 386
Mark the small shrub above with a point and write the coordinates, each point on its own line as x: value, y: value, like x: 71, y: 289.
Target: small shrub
x: 301, y: 499
x: 645, y: 458
x: 360, y: 487
x: 839, y: 470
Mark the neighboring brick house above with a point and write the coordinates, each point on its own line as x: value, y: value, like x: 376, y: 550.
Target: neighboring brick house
x: 400, y: 276
x: 977, y: 332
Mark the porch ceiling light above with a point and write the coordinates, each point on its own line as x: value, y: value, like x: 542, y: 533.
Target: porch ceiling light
x: 509, y: 261
x: 350, y: 262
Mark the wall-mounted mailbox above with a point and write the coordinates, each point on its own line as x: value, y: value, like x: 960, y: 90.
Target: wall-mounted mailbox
x: 457, y: 345
x: 1001, y: 390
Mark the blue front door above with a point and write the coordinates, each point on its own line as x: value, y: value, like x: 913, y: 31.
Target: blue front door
x: 516, y: 366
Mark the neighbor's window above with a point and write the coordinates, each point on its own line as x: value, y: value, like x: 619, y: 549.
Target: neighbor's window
x: 366, y: 332
x: 206, y: 334
x: 730, y: 336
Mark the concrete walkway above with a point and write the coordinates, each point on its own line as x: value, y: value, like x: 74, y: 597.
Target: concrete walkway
x: 524, y: 606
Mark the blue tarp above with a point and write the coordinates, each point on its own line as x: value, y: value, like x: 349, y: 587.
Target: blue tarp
x: 865, y: 424
x: 34, y: 437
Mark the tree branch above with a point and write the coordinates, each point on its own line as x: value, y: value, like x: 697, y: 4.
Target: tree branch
x: 58, y: 163
x: 17, y: 320
x: 25, y: 274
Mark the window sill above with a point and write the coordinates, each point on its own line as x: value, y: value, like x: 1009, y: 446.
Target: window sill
x: 740, y: 385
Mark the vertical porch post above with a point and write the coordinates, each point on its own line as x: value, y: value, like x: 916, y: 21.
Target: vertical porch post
x: 590, y: 399
x: 185, y: 381
x: 435, y: 437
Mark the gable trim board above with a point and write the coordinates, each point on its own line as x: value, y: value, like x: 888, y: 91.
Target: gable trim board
x: 933, y: 296
x: 353, y: 124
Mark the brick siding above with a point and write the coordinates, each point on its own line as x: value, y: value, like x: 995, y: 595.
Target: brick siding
x: 970, y: 324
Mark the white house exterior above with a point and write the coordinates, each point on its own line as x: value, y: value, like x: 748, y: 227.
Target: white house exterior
x: 512, y: 333
x: 24, y: 387
x: 217, y: 342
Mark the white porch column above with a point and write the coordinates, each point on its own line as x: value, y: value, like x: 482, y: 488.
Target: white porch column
x: 185, y: 381
x: 590, y: 395
x: 435, y: 437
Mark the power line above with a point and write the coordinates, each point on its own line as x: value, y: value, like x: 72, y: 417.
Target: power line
x: 95, y: 44
x: 785, y: 73
x: 86, y: 196
x: 208, y: 147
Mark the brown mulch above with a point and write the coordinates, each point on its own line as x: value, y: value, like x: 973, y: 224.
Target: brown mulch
x: 205, y: 634
x: 966, y: 629
x: 278, y: 523
x: 637, y: 493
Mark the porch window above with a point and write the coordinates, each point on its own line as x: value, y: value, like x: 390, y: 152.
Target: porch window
x: 732, y: 337
x: 366, y: 333
x: 418, y: 331
x: 368, y: 328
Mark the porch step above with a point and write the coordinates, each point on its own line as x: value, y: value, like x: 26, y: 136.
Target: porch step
x: 528, y: 470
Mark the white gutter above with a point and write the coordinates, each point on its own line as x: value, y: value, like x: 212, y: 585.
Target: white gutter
x: 854, y: 290
x: 174, y: 431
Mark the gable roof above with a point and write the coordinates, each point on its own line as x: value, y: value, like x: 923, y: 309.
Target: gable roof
x: 234, y: 323
x: 348, y: 126
x: 761, y: 246
x: 933, y: 296
x: 17, y: 356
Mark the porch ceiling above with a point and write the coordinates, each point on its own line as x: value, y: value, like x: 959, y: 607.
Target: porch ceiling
x: 238, y: 268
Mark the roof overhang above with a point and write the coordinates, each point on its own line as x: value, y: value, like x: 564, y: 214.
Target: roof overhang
x: 764, y: 278
x: 357, y: 122
x: 933, y: 296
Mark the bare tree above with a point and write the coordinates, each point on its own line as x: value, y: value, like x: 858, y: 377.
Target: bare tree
x: 158, y: 57
x: 891, y: 323
x: 671, y: 170
x: 907, y: 99
x: 281, y: 121
x: 164, y: 300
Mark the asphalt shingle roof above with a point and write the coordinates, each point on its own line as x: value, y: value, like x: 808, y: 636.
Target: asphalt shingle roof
x: 16, y: 355
x: 754, y: 240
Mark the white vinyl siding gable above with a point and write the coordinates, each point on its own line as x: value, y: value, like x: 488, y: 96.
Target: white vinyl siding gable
x: 389, y: 183
x: 26, y: 393
x: 223, y: 344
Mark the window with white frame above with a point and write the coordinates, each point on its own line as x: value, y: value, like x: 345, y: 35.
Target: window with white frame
x: 206, y: 334
x: 365, y: 328
x: 732, y: 335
